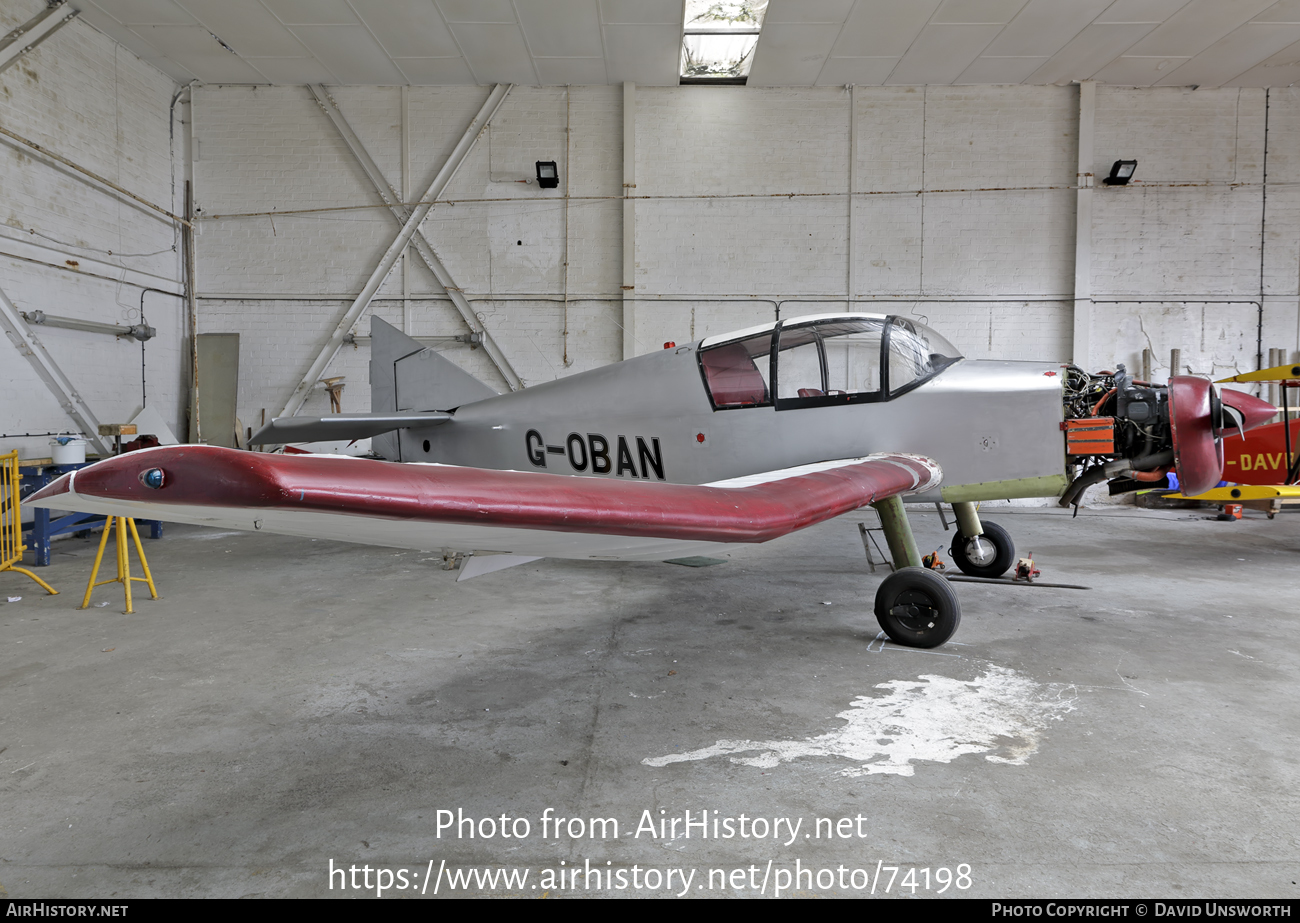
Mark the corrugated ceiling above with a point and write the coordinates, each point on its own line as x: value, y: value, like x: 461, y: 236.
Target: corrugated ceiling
x: 1235, y: 43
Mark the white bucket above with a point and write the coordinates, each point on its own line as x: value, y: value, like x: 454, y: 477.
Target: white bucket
x: 68, y: 450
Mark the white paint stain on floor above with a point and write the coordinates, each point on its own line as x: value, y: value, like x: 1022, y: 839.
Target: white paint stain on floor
x: 1000, y: 714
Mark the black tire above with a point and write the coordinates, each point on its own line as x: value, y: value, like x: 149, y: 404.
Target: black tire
x: 917, y: 608
x: 1004, y: 552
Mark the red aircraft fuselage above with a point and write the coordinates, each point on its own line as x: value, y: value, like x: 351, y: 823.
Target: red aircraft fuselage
x: 1261, y: 457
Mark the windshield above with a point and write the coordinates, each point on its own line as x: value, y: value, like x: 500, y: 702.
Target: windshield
x: 915, y: 353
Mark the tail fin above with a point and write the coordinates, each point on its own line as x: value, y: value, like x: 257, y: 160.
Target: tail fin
x: 405, y: 375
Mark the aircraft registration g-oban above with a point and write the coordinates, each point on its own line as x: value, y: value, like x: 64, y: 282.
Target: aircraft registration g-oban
x: 738, y: 438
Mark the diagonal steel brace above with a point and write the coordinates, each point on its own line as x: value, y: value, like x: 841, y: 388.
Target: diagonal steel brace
x: 34, y: 31
x: 421, y: 243
x: 60, y: 386
x: 409, y: 219
x: 389, y: 259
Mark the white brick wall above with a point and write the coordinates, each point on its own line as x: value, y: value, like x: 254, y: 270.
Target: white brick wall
x: 716, y: 263
x: 1282, y: 238
x: 1201, y: 241
x: 717, y: 246
x: 257, y: 152
x: 721, y: 246
x: 86, y: 98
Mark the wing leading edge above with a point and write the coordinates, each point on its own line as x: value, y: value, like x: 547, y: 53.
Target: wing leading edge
x: 757, y: 508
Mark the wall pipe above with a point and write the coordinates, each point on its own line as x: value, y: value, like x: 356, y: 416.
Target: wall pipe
x: 139, y: 332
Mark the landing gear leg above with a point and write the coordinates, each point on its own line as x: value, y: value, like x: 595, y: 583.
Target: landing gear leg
x: 898, y: 533
x: 980, y: 549
x: 916, y: 607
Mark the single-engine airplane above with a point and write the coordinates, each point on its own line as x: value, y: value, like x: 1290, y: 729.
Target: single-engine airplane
x: 1262, y: 468
x: 736, y: 438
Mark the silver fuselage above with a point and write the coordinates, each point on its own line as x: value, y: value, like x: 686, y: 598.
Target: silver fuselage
x: 993, y: 426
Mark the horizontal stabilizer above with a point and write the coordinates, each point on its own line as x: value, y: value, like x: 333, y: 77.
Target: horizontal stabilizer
x: 341, y: 426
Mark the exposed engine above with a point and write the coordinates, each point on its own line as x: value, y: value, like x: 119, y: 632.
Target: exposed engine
x: 1132, y: 433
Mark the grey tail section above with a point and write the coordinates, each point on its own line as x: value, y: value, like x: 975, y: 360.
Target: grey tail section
x: 408, y: 376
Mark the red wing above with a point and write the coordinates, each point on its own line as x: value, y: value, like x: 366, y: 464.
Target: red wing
x: 751, y: 509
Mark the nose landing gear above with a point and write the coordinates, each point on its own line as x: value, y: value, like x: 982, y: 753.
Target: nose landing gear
x: 989, y: 554
x: 980, y: 549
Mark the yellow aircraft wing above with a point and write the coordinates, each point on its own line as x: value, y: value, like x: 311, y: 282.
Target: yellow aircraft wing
x: 1244, y: 492
x: 1276, y: 373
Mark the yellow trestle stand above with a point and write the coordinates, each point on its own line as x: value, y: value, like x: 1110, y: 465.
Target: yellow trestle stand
x: 121, y: 524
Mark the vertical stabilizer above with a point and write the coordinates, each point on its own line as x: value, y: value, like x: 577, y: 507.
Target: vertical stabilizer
x: 405, y: 375
x: 387, y: 345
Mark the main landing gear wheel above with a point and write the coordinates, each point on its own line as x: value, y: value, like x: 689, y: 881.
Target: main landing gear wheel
x: 987, y: 555
x: 917, y: 608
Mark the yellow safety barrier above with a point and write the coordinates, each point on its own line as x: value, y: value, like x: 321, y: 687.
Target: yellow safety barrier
x: 11, y: 521
x: 121, y: 524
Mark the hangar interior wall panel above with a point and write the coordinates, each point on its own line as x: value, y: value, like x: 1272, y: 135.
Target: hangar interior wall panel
x: 95, y: 103
x: 964, y: 217
x: 508, y: 254
x: 1282, y: 231
x: 986, y: 253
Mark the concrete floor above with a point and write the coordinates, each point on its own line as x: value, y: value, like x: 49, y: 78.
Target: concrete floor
x: 289, y: 703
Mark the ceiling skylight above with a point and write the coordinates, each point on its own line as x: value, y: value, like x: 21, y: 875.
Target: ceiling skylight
x: 719, y: 38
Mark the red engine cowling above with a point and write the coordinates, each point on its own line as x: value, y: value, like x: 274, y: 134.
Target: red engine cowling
x: 1197, y: 425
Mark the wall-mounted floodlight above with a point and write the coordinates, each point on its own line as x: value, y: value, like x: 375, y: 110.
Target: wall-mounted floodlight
x: 548, y: 175
x: 1121, y: 173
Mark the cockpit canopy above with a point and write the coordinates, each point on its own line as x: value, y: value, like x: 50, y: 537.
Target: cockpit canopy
x: 822, y: 361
